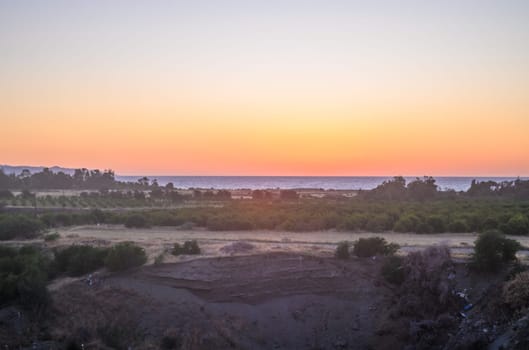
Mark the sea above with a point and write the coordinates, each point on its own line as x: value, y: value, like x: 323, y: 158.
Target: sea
x: 304, y: 182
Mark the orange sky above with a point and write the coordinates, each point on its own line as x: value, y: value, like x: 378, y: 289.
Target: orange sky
x: 231, y: 94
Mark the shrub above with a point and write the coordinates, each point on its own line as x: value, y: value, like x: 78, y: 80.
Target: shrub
x: 437, y: 223
x: 458, y: 226
x: 492, y: 249
x: 188, y: 248
x: 407, y: 223
x: 428, y: 281
x: 517, y: 225
x: 136, y: 221
x: 18, y: 226
x: 229, y: 222
x: 342, y: 250
x: 355, y: 222
x: 367, y: 247
x: 52, y: 237
x: 378, y: 223
x: 124, y: 256
x: 78, y: 260
x: 516, y: 291
x: 23, y: 276
x: 393, y: 270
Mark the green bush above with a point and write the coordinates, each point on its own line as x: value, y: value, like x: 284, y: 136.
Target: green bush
x: 229, y: 222
x: 342, y: 250
x: 407, y: 223
x: 379, y: 223
x: 23, y: 276
x: 437, y: 223
x: 355, y: 222
x: 51, y: 237
x: 492, y: 249
x: 18, y: 226
x: 188, y: 248
x: 78, y: 260
x: 517, y: 225
x: 136, y: 221
x: 124, y: 256
x: 458, y: 226
x: 393, y: 270
x: 367, y: 247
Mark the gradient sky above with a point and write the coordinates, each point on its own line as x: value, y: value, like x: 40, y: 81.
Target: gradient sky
x: 267, y: 87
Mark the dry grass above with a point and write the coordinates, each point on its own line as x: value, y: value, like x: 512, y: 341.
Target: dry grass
x: 159, y: 239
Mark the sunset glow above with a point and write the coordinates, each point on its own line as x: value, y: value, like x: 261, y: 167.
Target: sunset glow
x: 275, y: 88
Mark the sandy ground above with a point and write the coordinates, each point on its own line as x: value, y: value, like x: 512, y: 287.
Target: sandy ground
x: 265, y: 301
x: 160, y: 239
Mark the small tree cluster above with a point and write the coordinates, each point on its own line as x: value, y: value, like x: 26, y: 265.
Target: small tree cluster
x: 78, y: 260
x: 492, y: 249
x: 188, y: 248
x: 393, y: 269
x: 18, y: 226
x: 23, y: 276
x: 367, y: 247
x: 136, y: 221
x: 124, y: 256
x: 342, y: 250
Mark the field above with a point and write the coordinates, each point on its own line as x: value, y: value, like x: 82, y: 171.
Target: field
x: 156, y: 240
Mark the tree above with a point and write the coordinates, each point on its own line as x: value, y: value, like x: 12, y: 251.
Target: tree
x: 394, y: 189
x: 422, y: 189
x: 367, y: 247
x: 342, y: 250
x: 518, y: 224
x: 124, y: 256
x: 492, y: 249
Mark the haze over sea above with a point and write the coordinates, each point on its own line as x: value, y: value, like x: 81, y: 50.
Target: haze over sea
x: 291, y: 182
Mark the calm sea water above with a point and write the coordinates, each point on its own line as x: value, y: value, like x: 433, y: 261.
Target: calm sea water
x: 290, y: 182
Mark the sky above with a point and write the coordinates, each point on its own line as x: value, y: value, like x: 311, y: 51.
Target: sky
x: 271, y: 87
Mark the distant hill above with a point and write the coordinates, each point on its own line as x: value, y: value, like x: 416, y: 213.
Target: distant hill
x: 17, y: 169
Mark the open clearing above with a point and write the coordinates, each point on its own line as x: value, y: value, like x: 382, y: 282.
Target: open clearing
x: 159, y: 239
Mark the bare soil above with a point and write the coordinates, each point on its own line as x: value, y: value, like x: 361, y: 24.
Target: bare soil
x: 270, y: 301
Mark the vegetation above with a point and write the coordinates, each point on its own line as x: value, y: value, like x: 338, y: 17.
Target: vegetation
x: 188, y: 248
x: 136, y: 220
x: 78, y: 260
x: 24, y: 273
x: 516, y: 291
x: 393, y: 270
x: 19, y: 226
x: 312, y: 214
x: 367, y: 247
x: 124, y: 256
x: 342, y: 250
x: 492, y: 250
x: 51, y: 237
x: 518, y: 224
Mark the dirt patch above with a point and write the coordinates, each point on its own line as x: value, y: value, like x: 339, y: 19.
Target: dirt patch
x: 266, y: 301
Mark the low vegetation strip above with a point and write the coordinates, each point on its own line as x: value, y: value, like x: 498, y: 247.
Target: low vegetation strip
x: 434, y: 216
